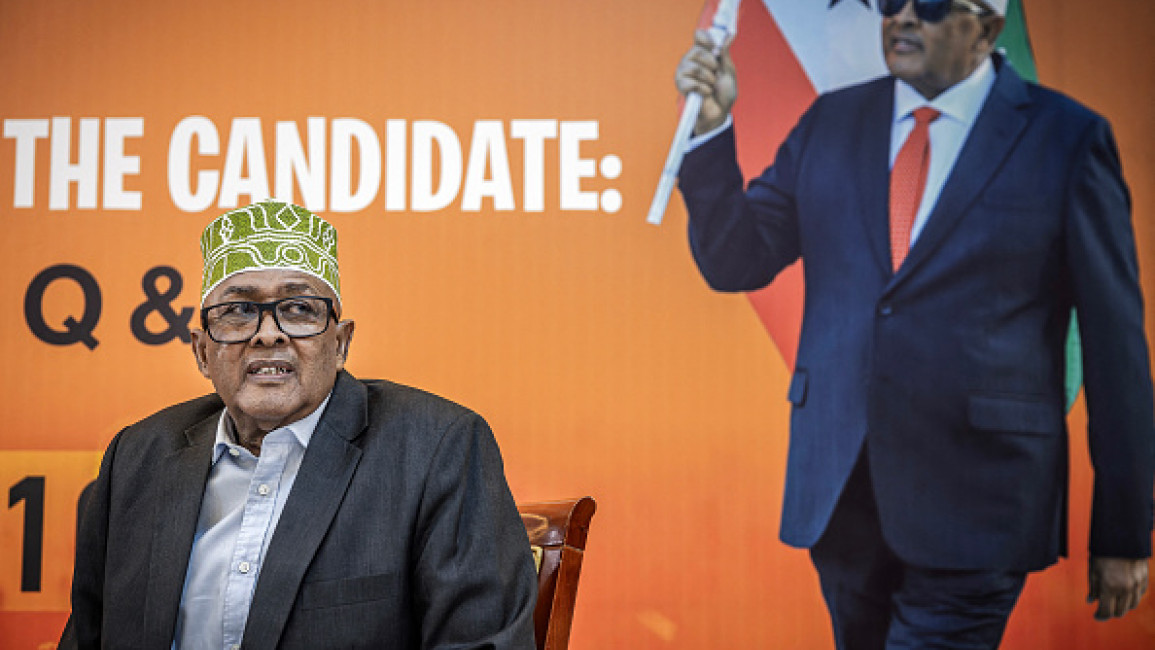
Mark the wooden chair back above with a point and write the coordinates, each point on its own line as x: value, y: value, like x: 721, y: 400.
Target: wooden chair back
x: 557, y: 532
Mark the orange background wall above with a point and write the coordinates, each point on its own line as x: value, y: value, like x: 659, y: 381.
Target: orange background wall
x: 604, y: 364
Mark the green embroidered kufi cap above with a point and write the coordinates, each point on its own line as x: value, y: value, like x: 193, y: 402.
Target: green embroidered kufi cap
x: 269, y: 235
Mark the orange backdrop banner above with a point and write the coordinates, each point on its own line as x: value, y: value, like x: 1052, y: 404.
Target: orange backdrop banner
x: 488, y: 166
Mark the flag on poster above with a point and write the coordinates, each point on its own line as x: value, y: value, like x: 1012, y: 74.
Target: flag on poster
x: 787, y: 53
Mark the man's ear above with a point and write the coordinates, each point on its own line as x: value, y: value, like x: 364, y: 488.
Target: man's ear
x: 992, y: 26
x: 344, y: 340
x: 199, y: 345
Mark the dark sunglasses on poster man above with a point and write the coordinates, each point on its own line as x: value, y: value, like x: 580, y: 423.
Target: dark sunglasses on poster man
x: 932, y: 11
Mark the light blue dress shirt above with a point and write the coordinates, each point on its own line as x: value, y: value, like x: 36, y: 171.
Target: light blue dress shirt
x: 243, y: 499
x: 959, y: 106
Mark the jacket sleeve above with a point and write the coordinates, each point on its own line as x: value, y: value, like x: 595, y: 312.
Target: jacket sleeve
x: 83, y: 629
x: 474, y: 580
x: 741, y: 239
x: 1117, y: 374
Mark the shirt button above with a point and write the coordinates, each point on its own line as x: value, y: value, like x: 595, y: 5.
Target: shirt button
x: 244, y: 567
x: 233, y: 452
x: 263, y: 490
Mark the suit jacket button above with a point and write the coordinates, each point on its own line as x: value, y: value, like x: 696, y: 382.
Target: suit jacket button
x: 885, y: 310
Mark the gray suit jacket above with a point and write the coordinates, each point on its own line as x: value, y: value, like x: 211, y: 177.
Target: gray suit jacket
x: 400, y: 532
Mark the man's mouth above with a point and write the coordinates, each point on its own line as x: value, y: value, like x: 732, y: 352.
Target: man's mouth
x: 269, y: 368
x: 904, y: 44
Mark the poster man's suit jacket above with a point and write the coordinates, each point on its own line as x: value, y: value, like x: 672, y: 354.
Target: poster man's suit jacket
x: 951, y: 370
x: 399, y: 532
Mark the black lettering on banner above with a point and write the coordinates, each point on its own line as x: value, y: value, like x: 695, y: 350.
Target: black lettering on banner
x: 161, y: 303
x: 30, y: 490
x: 74, y: 331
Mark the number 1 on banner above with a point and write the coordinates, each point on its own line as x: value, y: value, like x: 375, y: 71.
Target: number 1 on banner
x: 31, y: 492
x: 38, y: 529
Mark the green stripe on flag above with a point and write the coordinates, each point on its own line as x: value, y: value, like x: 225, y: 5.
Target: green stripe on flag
x: 1015, y: 42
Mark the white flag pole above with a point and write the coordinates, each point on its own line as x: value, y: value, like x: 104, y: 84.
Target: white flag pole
x: 722, y: 31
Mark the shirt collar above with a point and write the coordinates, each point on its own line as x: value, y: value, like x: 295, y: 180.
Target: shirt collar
x: 302, y: 430
x: 961, y: 101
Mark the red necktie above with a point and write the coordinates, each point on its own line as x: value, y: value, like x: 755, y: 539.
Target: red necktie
x: 907, y: 182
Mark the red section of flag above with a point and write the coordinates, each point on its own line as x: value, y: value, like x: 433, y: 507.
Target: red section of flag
x: 774, y: 91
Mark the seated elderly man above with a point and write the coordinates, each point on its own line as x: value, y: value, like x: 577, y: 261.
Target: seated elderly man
x: 297, y: 507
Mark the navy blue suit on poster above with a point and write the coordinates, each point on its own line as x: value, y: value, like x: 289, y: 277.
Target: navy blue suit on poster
x: 951, y: 370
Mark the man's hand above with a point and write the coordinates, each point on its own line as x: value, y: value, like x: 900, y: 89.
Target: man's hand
x: 1118, y: 584
x: 712, y: 76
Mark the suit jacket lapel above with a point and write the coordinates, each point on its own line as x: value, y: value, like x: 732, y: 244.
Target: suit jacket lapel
x: 185, y: 471
x: 325, y: 472
x: 872, y: 162
x: 993, y: 136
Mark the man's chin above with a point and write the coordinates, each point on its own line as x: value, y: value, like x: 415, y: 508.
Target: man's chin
x: 903, y: 68
x: 269, y: 411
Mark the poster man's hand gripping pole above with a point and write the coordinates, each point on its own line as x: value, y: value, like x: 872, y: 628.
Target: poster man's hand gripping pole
x: 722, y: 31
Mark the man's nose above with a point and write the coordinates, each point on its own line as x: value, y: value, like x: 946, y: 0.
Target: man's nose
x: 267, y: 331
x: 907, y: 14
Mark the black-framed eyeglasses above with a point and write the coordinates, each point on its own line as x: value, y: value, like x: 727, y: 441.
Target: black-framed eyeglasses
x: 932, y: 11
x: 298, y: 317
